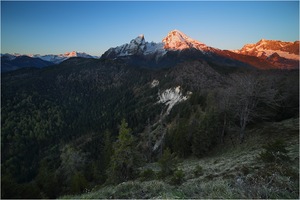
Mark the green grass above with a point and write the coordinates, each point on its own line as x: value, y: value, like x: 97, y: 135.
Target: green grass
x: 229, y: 171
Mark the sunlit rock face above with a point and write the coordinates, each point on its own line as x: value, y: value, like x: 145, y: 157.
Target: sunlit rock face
x: 154, y: 83
x: 176, y: 40
x: 177, y: 46
x: 280, y: 54
x: 266, y: 48
x: 171, y: 96
x: 137, y: 46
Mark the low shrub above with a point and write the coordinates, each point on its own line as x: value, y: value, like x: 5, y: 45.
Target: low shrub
x: 218, y: 189
x: 177, y: 177
x: 198, y: 171
x: 147, y: 175
x: 192, y: 188
x: 275, y: 152
x: 167, y: 163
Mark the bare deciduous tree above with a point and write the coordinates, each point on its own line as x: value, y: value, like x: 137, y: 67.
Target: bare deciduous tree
x: 248, y: 92
x: 225, y: 105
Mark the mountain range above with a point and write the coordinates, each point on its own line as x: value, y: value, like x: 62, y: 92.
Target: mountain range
x: 174, y: 41
x: 175, y: 47
x: 15, y: 61
x: 266, y: 54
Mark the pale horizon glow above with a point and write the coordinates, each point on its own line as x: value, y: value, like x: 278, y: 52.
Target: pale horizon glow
x: 95, y: 26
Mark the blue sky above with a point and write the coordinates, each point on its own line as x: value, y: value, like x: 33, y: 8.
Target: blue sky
x: 93, y: 27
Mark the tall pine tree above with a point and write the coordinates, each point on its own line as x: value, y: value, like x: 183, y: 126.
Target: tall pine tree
x: 125, y: 158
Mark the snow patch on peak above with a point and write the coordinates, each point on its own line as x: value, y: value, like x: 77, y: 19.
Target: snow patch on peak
x: 76, y: 54
x: 265, y: 48
x: 137, y: 46
x: 175, y: 34
x: 70, y: 54
x: 138, y: 40
x: 263, y: 40
x: 53, y: 58
x: 171, y: 96
x: 176, y: 40
x: 141, y: 36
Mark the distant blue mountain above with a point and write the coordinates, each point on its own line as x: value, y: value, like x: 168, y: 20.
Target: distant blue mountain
x: 9, y: 63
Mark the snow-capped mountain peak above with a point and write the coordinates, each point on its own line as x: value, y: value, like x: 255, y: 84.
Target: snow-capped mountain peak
x: 76, y: 54
x: 141, y: 36
x: 176, y: 40
x: 266, y: 48
x: 137, y: 46
x: 70, y: 54
x: 9, y: 56
x: 177, y: 45
x: 56, y: 59
x: 62, y: 57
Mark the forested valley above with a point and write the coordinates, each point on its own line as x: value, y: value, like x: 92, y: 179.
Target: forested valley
x: 88, y: 123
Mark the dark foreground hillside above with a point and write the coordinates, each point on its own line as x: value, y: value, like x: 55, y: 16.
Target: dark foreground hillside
x: 229, y: 171
x: 89, y: 123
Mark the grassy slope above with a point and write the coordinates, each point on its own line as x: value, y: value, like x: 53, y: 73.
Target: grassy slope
x: 231, y: 170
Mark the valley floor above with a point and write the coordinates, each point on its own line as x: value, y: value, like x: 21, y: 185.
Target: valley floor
x: 231, y: 170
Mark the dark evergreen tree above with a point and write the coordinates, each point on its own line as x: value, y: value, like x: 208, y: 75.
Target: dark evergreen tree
x: 125, y: 158
x: 107, y: 149
x: 47, y: 181
x: 78, y: 183
x: 167, y: 163
x: 206, y: 134
x: 180, y: 138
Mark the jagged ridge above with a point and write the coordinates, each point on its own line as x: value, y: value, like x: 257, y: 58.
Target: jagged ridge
x: 265, y: 48
x: 174, y: 41
x: 56, y: 59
